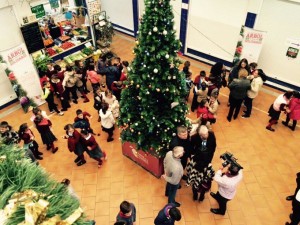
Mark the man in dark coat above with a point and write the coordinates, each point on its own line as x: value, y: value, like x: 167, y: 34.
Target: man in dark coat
x: 295, y: 216
x: 182, y: 139
x: 168, y: 215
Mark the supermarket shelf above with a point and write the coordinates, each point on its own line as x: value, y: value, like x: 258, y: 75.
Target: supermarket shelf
x: 69, y: 51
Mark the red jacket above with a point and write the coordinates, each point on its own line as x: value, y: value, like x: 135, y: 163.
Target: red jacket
x: 294, y: 106
x: 73, y: 140
x: 26, y: 137
x: 91, y: 142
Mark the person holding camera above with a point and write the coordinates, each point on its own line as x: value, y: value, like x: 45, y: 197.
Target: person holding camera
x: 228, y: 177
x: 295, y: 216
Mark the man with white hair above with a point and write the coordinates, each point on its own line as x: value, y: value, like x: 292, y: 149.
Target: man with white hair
x: 204, y: 146
x: 173, y: 173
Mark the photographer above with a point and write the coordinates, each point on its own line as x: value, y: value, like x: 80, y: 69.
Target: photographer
x: 228, y: 178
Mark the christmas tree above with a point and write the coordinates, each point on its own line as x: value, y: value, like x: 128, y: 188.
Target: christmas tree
x: 153, y: 101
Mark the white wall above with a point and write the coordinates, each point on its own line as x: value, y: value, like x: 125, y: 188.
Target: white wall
x: 214, y: 26
x: 120, y: 12
x: 281, y: 19
x: 13, y: 37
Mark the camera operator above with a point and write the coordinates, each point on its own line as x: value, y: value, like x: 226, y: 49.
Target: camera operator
x: 228, y: 178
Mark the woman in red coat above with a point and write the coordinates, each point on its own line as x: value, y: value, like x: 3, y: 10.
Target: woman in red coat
x: 294, y: 111
x: 75, y: 144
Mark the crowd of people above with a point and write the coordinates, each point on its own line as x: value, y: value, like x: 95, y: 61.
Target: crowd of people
x: 190, y: 153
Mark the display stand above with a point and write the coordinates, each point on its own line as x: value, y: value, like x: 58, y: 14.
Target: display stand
x: 149, y: 162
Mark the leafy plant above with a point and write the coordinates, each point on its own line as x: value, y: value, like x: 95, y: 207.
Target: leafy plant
x: 41, y: 62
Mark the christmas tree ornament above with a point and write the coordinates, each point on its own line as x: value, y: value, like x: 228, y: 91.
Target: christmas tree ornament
x: 157, y: 89
x: 137, y: 86
x: 155, y: 29
x: 145, y: 66
x: 167, y: 56
x: 174, y: 77
x: 155, y: 70
x: 149, y: 33
x: 169, y: 77
x: 167, y: 89
x: 137, y: 42
x: 165, y: 32
x: 149, y: 86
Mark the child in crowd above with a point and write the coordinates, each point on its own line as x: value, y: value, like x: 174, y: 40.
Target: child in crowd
x: 125, y: 70
x: 113, y: 103
x: 7, y: 135
x: 127, y: 213
x: 75, y: 144
x: 93, y: 148
x: 49, y: 97
x: 201, y: 92
x: 98, y: 101
x: 27, y: 136
x: 280, y: 104
x: 186, y: 67
x: 168, y: 215
x: 61, y: 93
x: 82, y: 121
x: 59, y: 72
x: 43, y: 125
x: 69, y: 83
x: 66, y: 182
x: 82, y: 69
x: 93, y: 77
x: 107, y: 121
x: 294, y: 114
x: 252, y: 67
x: 199, y: 79
x: 116, y: 88
x: 189, y: 84
x: 37, y: 111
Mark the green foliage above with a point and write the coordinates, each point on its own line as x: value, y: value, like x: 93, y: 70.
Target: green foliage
x: 18, y: 174
x: 154, y: 83
x: 41, y: 62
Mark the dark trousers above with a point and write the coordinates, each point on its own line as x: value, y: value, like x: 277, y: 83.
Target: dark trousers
x: 287, y: 120
x: 71, y: 90
x: 235, y: 106
x: 195, y: 194
x: 171, y: 190
x: 222, y: 203
x: 295, y: 218
x: 64, y: 101
x: 248, y: 103
x: 51, y: 105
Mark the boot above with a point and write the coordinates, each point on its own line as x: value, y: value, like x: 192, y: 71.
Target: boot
x: 195, y: 194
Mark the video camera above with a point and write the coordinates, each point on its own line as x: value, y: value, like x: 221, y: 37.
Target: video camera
x: 230, y: 159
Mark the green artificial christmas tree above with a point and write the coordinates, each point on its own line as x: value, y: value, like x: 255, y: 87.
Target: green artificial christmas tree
x: 153, y: 102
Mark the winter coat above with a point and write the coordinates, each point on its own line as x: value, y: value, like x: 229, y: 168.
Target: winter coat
x: 70, y: 79
x: 107, y: 119
x: 294, y: 106
x: 239, y: 87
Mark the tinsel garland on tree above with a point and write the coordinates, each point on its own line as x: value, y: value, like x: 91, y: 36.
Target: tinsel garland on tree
x: 28, y: 193
x: 25, y: 101
x: 153, y: 102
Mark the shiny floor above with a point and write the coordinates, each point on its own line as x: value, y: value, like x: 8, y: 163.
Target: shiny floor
x: 270, y: 161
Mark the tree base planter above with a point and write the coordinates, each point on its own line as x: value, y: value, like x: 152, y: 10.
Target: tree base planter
x: 148, y: 162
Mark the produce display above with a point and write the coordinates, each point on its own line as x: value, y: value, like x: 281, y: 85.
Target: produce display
x: 64, y: 38
x: 87, y: 51
x: 67, y: 45
x: 76, y: 56
x: 51, y: 51
x: 47, y: 42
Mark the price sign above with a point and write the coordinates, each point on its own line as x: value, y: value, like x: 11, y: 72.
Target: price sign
x: 54, y: 4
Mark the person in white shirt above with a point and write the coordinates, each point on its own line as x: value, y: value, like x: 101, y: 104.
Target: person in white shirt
x: 256, y: 84
x: 228, y: 179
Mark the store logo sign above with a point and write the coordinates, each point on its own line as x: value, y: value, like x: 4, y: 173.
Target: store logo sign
x: 16, y: 56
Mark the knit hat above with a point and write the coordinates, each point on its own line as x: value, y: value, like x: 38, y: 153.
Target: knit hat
x: 178, y: 151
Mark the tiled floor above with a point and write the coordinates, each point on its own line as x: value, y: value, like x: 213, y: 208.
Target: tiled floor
x: 270, y: 162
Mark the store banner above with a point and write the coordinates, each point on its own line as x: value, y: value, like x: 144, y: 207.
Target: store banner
x: 249, y: 45
x: 18, y: 66
x: 38, y: 10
